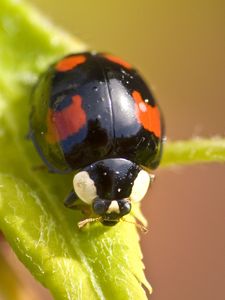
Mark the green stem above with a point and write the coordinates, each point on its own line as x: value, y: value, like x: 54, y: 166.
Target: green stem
x: 194, y: 151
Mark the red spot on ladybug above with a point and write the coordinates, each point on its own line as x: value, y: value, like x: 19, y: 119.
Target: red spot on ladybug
x: 68, y: 63
x: 117, y: 60
x: 147, y: 115
x: 64, y: 123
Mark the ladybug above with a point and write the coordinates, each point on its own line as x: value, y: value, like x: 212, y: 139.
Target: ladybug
x: 93, y: 114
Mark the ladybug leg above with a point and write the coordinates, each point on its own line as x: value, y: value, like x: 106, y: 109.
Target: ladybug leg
x: 72, y: 201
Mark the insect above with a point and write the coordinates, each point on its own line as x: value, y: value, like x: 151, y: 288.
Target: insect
x: 93, y: 114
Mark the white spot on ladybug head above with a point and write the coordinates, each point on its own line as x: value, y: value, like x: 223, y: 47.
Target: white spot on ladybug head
x: 113, y: 207
x: 84, y: 187
x: 140, y: 186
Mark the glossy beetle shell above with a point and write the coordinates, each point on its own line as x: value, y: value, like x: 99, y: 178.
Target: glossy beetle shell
x: 88, y: 107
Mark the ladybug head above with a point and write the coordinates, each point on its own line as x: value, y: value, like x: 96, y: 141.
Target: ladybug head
x: 110, y: 186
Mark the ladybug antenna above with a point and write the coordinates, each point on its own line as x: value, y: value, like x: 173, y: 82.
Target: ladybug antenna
x: 141, y: 227
x: 82, y: 223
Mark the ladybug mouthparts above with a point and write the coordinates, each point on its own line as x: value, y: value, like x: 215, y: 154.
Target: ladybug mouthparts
x: 111, y: 211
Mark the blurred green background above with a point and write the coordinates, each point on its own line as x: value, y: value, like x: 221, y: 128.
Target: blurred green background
x: 179, y: 47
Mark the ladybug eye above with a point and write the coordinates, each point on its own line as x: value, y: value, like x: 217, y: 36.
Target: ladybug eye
x: 84, y: 187
x: 140, y: 186
x: 100, y: 206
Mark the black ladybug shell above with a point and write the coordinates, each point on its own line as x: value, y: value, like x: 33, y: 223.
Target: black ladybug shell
x: 88, y: 107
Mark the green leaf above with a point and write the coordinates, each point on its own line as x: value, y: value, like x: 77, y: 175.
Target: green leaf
x: 194, y: 151
x: 94, y: 263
